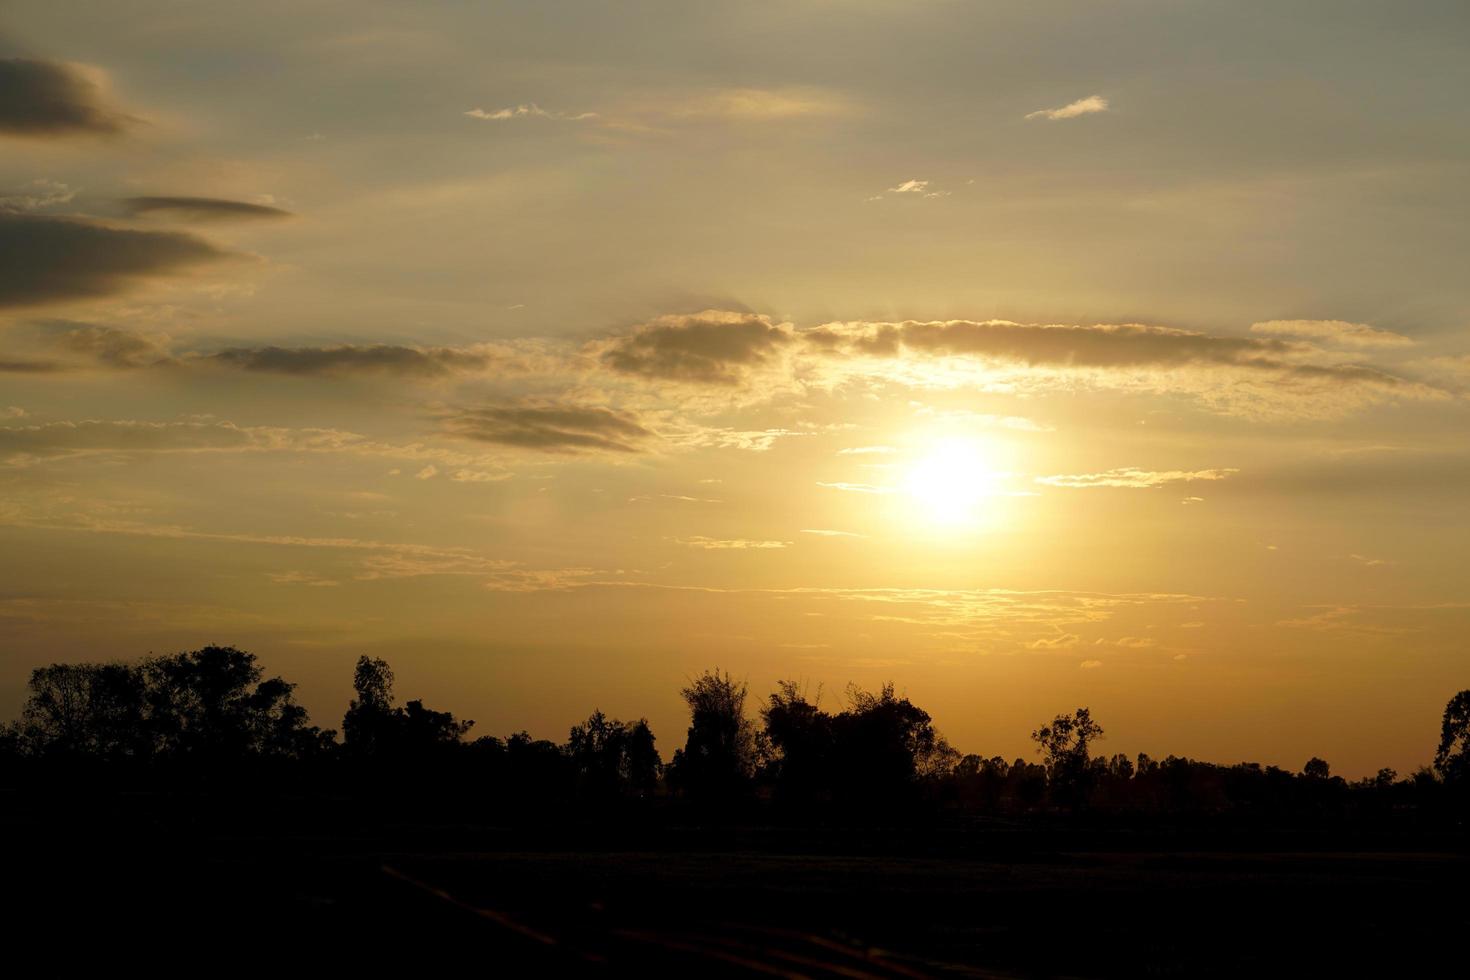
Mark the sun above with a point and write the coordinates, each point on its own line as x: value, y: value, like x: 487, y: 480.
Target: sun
x: 951, y: 481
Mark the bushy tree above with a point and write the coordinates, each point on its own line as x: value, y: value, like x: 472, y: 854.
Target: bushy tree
x: 374, y: 729
x: 799, y: 736
x: 208, y: 705
x: 1063, y: 744
x: 720, y: 753
x: 613, y: 758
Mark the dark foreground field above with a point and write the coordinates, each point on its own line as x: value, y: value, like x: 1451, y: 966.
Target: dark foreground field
x: 198, y: 887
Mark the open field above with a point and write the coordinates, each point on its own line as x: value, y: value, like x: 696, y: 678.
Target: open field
x: 720, y: 901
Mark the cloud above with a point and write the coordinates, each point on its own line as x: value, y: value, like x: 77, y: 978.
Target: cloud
x: 1338, y: 332
x: 825, y: 533
x: 47, y: 99
x: 1082, y: 107
x: 301, y: 578
x: 351, y: 359
x: 1099, y: 345
x: 713, y: 347
x: 427, y: 473
x: 11, y: 366
x: 528, y: 110
x: 128, y: 435
x: 761, y: 105
x: 557, y: 429
x: 737, y: 544
x: 47, y: 260
x: 23, y: 445
x: 1090, y: 664
x: 480, y: 476
x: 856, y: 487
x: 102, y: 344
x: 1255, y: 377
x: 203, y: 208
x: 1372, y: 562
x: 37, y: 195
x: 866, y: 451
x: 911, y: 187
x: 1133, y: 478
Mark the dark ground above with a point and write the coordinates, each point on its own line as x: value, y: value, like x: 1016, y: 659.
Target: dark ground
x: 183, y: 884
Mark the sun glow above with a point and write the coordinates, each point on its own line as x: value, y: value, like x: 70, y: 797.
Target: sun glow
x: 950, y: 483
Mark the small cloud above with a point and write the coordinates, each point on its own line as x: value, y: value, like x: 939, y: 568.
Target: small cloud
x: 1339, y: 332
x: 1192, y: 500
x: 427, y: 473
x: 301, y: 578
x: 528, y: 110
x: 479, y: 476
x: 1129, y: 477
x: 1090, y: 664
x: 37, y: 195
x: 855, y: 487
x: 1371, y: 562
x: 715, y: 347
x: 737, y: 544
x: 1181, y: 656
x: 826, y: 533
x: 914, y: 188
x: 1061, y: 642
x: 552, y: 428
x: 1082, y: 107
x: 867, y: 451
x: 13, y: 412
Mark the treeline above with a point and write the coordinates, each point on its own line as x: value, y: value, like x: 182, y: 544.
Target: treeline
x: 210, y: 718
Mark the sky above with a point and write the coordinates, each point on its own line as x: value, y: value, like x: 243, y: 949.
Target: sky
x: 1030, y: 355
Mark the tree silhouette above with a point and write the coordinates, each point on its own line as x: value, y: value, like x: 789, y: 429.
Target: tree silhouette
x: 799, y: 735
x: 1316, y: 768
x: 1064, y: 747
x: 720, y: 753
x: 373, y: 729
x: 1452, y: 759
x: 203, y: 706
x: 884, y: 745
x: 613, y: 758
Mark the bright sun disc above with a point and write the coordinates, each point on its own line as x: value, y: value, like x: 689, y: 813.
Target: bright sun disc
x: 949, y: 483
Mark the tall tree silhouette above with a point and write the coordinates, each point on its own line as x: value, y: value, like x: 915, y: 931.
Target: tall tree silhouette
x: 1064, y: 744
x: 720, y: 754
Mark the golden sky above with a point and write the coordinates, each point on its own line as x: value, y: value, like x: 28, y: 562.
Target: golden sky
x: 1030, y: 355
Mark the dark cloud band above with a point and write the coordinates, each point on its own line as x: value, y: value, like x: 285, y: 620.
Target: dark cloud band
x: 552, y: 429
x: 48, y: 99
x: 47, y: 260
x: 203, y: 208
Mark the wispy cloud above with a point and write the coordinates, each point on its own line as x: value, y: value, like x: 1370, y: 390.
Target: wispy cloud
x: 1082, y: 107
x: 856, y: 487
x: 1133, y: 478
x: 527, y: 110
x: 735, y: 544
x: 912, y: 187
x: 1338, y: 332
